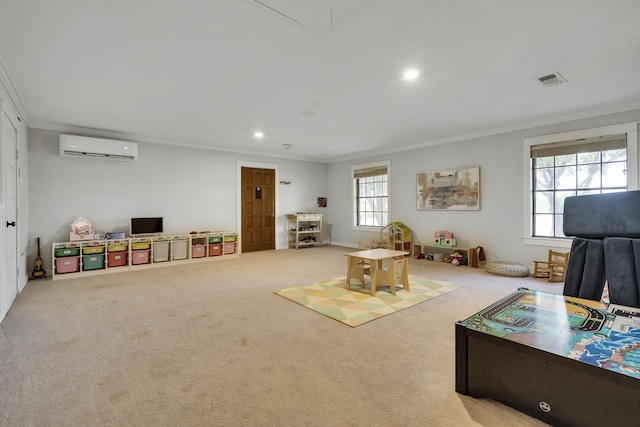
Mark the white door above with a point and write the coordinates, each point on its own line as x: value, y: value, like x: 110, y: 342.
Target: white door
x: 10, y: 259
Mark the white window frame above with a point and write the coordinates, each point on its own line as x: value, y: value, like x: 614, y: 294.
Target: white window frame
x: 631, y: 129
x: 354, y: 208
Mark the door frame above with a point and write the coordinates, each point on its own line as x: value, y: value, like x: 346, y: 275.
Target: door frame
x: 275, y: 167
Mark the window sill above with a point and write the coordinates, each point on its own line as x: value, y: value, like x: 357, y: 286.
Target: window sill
x: 548, y: 241
x: 366, y: 228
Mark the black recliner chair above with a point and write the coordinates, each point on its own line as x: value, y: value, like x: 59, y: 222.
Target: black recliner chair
x: 606, y: 246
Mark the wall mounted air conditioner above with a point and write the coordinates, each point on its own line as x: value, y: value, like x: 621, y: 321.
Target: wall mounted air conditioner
x: 83, y: 146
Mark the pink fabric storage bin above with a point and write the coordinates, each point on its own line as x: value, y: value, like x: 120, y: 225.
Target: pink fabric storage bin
x: 229, y: 248
x: 67, y: 265
x: 140, y: 257
x: 197, y: 251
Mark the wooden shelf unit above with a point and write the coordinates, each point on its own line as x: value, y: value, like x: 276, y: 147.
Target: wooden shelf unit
x: 305, y: 229
x: 425, y: 248
x: 93, y: 257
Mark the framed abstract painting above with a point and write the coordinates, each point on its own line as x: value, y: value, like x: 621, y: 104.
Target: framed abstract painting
x: 449, y: 189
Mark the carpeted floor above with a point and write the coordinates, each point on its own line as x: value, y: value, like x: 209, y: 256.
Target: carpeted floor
x: 209, y: 344
x: 356, y: 306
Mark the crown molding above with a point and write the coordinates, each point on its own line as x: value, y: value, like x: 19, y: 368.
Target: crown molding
x: 354, y: 156
x: 496, y: 131
x: 14, y: 94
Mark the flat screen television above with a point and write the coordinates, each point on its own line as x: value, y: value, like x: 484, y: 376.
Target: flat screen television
x: 146, y: 226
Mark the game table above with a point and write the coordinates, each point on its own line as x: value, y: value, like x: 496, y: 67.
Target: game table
x: 566, y: 361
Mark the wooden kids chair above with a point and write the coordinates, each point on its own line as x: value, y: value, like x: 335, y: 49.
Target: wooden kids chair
x: 554, y: 268
x: 362, y: 267
x: 396, y: 273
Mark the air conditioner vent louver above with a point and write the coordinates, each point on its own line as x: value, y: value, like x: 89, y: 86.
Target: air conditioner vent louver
x: 82, y: 146
x: 73, y: 153
x: 552, y: 79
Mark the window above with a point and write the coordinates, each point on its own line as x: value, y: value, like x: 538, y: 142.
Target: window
x: 371, y: 194
x: 571, y: 168
x: 591, y: 162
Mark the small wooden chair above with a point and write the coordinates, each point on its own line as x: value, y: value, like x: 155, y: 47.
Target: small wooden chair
x: 396, y: 273
x: 362, y: 267
x: 364, y: 244
x: 358, y: 271
x: 554, y: 268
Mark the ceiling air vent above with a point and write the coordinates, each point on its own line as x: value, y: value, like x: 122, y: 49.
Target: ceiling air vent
x: 552, y: 79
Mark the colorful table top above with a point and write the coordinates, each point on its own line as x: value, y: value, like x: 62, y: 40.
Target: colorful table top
x: 603, y: 335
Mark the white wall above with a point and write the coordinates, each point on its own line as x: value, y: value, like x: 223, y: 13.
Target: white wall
x: 498, y: 226
x: 196, y: 189
x: 192, y: 189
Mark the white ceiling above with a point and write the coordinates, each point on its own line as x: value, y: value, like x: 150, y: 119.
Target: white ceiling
x: 323, y: 76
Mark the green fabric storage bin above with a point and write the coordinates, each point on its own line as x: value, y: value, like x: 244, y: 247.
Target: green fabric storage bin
x: 67, y: 251
x: 92, y: 262
x: 215, y: 239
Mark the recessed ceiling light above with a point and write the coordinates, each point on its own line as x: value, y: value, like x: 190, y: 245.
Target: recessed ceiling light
x: 411, y: 74
x: 258, y: 134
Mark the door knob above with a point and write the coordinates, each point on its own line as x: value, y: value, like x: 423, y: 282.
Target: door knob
x: 11, y: 224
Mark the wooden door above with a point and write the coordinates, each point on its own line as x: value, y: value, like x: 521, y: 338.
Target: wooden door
x: 258, y: 209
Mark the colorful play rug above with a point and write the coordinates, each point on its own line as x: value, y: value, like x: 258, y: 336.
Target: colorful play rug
x: 356, y: 306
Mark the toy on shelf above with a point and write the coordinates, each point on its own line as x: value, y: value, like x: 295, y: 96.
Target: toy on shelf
x: 80, y: 229
x: 456, y: 258
x: 444, y: 238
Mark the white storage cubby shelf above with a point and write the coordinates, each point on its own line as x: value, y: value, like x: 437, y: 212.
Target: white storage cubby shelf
x: 305, y: 229
x: 92, y: 257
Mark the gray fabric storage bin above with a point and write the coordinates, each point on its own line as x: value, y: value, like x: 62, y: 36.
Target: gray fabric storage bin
x: 180, y: 249
x: 160, y: 251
